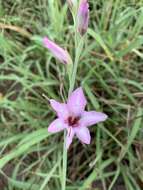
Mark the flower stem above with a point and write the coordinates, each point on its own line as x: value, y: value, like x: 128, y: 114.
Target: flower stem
x: 79, y: 49
x: 64, y: 163
x: 79, y: 41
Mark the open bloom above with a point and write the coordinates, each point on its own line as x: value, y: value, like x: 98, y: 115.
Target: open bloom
x: 83, y: 16
x: 57, y: 51
x: 73, y: 117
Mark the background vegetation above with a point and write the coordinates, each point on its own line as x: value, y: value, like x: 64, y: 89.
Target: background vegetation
x: 111, y: 73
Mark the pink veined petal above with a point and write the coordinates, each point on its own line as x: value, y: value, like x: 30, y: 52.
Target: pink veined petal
x: 57, y: 51
x: 92, y: 117
x: 56, y: 126
x: 69, y: 137
x: 77, y: 102
x: 83, y: 134
x: 60, y: 108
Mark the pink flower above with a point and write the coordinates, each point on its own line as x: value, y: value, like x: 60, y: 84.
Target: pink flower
x: 73, y: 117
x: 83, y: 16
x: 57, y: 51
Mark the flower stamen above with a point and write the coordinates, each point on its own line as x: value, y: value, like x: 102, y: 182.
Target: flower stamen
x: 73, y: 121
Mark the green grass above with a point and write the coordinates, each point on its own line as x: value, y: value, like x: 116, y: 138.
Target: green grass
x: 111, y: 73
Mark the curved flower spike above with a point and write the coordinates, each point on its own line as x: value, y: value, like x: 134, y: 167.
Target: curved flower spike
x: 83, y: 16
x: 73, y: 117
x: 57, y: 51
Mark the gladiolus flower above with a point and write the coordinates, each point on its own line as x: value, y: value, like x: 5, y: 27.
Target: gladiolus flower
x: 83, y: 16
x: 57, y: 51
x: 73, y: 117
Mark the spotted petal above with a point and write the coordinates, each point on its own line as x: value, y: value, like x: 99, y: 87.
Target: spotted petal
x: 92, y: 117
x: 77, y: 102
x: 83, y: 134
x: 56, y: 126
x: 60, y: 108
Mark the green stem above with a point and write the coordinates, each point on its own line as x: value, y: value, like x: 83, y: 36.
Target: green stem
x: 77, y: 57
x: 72, y: 78
x: 70, y: 71
x: 64, y: 163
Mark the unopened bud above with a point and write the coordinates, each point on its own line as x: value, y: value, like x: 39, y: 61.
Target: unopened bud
x: 57, y: 51
x: 83, y: 16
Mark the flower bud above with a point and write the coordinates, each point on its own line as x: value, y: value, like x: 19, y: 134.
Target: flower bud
x: 83, y: 16
x: 57, y: 51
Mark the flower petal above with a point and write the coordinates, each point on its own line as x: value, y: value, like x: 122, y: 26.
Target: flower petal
x: 60, y: 108
x: 57, y: 51
x: 77, y: 102
x: 83, y: 134
x: 56, y: 126
x: 69, y: 137
x: 92, y: 117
